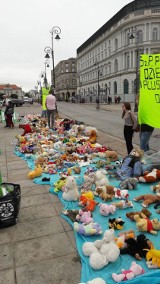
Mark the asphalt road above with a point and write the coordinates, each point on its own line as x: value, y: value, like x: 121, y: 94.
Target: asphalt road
x: 106, y: 121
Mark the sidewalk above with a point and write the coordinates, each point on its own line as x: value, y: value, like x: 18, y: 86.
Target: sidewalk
x: 40, y: 249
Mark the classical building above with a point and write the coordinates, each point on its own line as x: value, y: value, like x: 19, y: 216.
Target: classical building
x: 10, y: 90
x: 108, y: 62
x: 66, y: 79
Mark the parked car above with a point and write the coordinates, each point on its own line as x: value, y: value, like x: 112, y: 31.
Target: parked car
x: 17, y: 102
x: 27, y: 100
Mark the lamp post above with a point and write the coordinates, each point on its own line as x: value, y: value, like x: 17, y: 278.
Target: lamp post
x: 46, y: 64
x: 50, y: 50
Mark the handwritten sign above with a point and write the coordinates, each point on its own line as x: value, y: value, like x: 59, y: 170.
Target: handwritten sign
x: 149, y: 101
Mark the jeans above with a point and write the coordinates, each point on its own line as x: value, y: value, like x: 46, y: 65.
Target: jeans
x: 50, y: 115
x: 44, y: 113
x: 128, y: 135
x: 144, y: 140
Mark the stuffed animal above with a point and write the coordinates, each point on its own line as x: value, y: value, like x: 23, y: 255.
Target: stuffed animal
x: 59, y: 184
x: 136, y: 246
x: 147, y: 199
x: 101, y: 179
x: 37, y: 172
x: 123, y: 204
x: 131, y: 165
x: 116, y: 223
x: 154, y: 256
x: 87, y: 184
x: 88, y: 204
x: 70, y: 189
x: 109, y: 189
x: 85, y: 217
x: 147, y: 225
x: 88, y: 230
x: 129, y: 183
x: 95, y: 281
x: 152, y: 176
x: 121, y: 193
x: 134, y: 270
x: 156, y: 189
x: 77, y: 170
x: 112, y: 155
x: 106, y: 209
x: 141, y: 214
x: 102, y: 194
x: 103, y: 251
x: 71, y: 214
x: 88, y: 194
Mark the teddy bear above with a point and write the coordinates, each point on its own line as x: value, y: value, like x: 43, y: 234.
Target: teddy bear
x: 112, y: 155
x: 85, y: 217
x: 134, y: 270
x: 87, y: 184
x: 131, y: 165
x: 141, y: 213
x: 109, y: 189
x: 95, y: 281
x: 156, y: 189
x: 101, y: 179
x: 147, y: 199
x: 147, y: 225
x: 103, y: 251
x: 37, y: 172
x: 129, y: 183
x: 103, y: 195
x: 106, y: 209
x: 70, y: 189
x: 121, y: 193
x: 123, y: 204
x: 149, y: 177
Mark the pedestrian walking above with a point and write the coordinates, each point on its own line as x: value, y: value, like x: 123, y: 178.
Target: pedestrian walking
x: 9, y: 111
x: 51, y: 108
x: 130, y: 123
x: 97, y: 104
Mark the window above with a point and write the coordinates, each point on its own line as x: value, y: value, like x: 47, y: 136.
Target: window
x: 116, y: 44
x: 139, y: 36
x: 126, y: 86
x: 155, y: 34
x: 116, y: 65
x: 67, y: 70
x: 115, y: 88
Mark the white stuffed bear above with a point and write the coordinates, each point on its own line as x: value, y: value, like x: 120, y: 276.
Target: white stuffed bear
x: 95, y: 281
x: 101, y: 179
x: 70, y: 189
x: 101, y: 252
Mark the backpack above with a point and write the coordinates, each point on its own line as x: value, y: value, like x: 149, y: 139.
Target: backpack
x: 130, y: 167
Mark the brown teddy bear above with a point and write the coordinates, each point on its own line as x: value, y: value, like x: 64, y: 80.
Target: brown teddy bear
x: 147, y: 225
x: 156, y: 189
x: 147, y: 199
x: 112, y: 155
x: 141, y: 213
x: 103, y: 195
x: 109, y: 189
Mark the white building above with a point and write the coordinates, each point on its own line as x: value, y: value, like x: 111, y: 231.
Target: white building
x: 110, y: 57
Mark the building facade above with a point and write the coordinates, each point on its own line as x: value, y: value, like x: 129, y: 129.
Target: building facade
x: 66, y: 79
x: 108, y: 62
x: 10, y: 90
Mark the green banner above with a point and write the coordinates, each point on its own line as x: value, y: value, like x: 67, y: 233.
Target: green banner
x: 149, y: 100
x: 44, y: 95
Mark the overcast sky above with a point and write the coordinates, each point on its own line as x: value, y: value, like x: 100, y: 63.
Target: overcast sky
x: 25, y: 31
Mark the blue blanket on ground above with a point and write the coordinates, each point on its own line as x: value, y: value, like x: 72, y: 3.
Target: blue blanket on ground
x: 124, y: 261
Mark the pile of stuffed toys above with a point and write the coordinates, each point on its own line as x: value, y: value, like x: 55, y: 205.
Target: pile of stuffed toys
x: 104, y: 188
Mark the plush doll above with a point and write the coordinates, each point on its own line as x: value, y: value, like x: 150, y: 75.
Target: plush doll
x: 103, y: 251
x: 85, y: 217
x: 71, y: 214
x: 134, y: 270
x: 88, y: 204
x: 136, y: 246
x: 70, y: 189
x: 101, y: 179
x: 131, y: 165
x: 123, y: 204
x: 129, y: 183
x: 147, y: 225
x: 116, y: 223
x: 77, y: 170
x: 152, y: 176
x: 88, y: 194
x: 95, y: 281
x: 88, y: 230
x: 88, y: 183
x: 112, y: 155
x: 147, y: 199
x: 102, y: 194
x: 121, y: 193
x: 59, y: 184
x: 156, y: 189
x: 109, y: 189
x: 106, y: 209
x: 141, y: 214
x: 153, y: 256
x: 37, y: 172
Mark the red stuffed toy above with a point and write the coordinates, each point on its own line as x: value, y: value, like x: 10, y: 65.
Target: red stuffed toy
x: 149, y: 177
x: 27, y: 129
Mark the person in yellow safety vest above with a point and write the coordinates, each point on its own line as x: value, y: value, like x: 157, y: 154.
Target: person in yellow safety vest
x: 44, y: 109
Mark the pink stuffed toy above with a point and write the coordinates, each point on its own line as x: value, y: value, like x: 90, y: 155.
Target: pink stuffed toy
x: 106, y: 209
x: 84, y: 217
x: 132, y: 272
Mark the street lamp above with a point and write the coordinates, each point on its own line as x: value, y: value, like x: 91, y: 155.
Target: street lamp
x: 48, y: 50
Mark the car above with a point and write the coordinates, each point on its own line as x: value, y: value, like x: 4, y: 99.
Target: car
x: 28, y: 100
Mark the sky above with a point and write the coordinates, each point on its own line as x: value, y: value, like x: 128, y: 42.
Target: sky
x: 25, y: 27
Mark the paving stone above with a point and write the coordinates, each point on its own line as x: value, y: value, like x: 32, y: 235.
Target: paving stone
x: 43, y: 248
x: 60, y: 270
x: 35, y: 190
x: 7, y: 277
x: 36, y: 212
x: 6, y: 256
x: 38, y: 228
x: 34, y: 200
x: 5, y: 235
